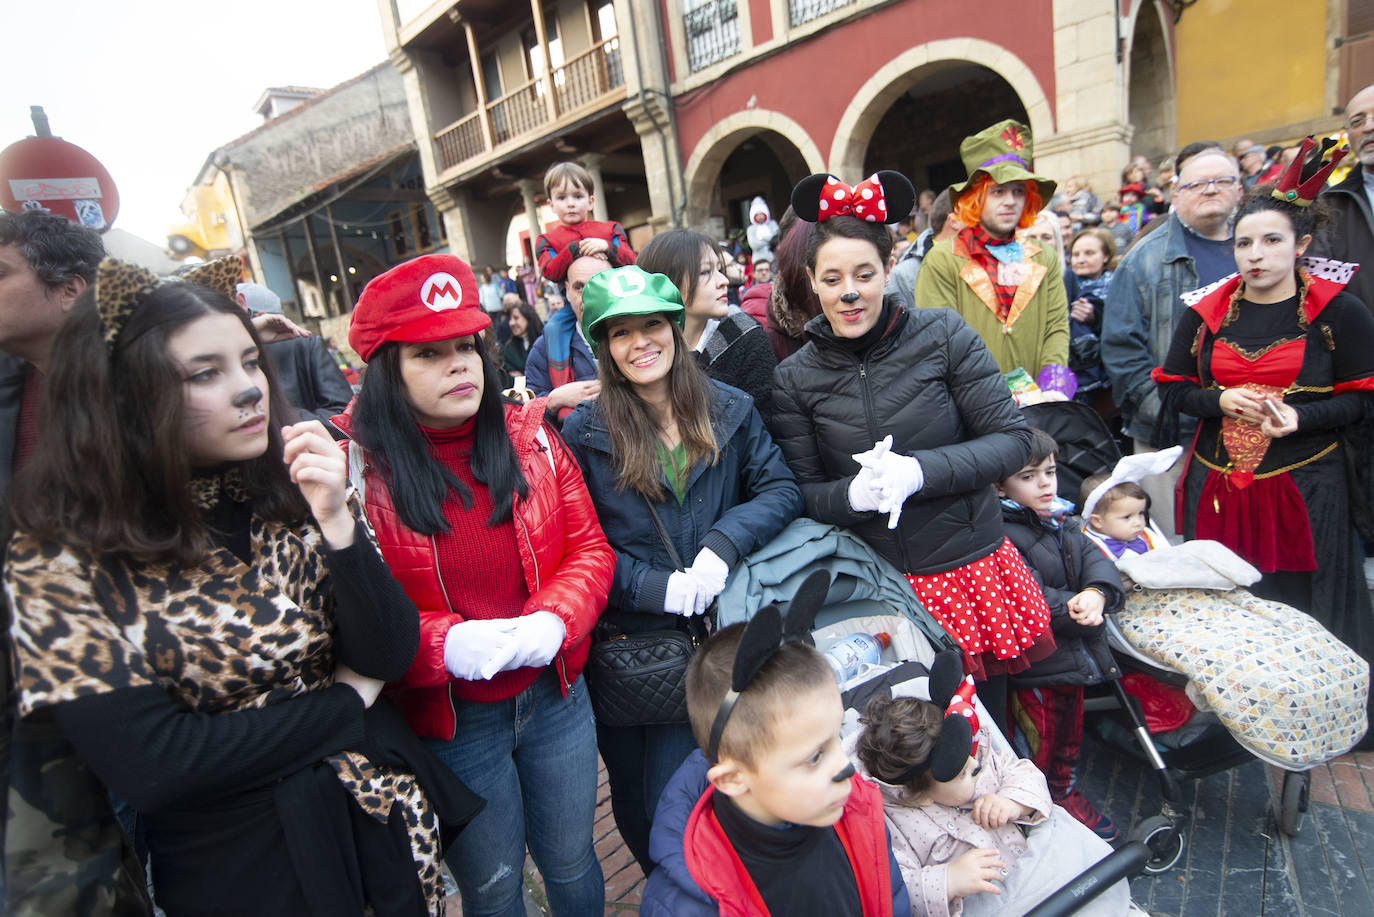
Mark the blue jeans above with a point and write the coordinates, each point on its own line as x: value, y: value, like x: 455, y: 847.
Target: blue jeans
x: 533, y: 759
x: 639, y: 762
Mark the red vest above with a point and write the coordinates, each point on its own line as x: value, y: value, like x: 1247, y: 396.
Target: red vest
x: 719, y: 871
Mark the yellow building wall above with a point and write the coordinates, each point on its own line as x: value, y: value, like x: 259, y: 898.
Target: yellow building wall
x: 1250, y: 67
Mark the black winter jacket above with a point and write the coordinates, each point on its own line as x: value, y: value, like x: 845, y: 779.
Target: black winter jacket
x: 1350, y: 236
x: 310, y: 379
x: 931, y: 383
x: 1065, y: 562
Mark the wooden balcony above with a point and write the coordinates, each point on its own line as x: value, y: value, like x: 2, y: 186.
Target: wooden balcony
x: 591, y: 80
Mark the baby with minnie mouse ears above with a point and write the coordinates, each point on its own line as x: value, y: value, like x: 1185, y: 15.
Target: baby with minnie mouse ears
x: 972, y: 825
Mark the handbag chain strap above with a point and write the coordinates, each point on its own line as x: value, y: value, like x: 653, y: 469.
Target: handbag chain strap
x: 698, y: 630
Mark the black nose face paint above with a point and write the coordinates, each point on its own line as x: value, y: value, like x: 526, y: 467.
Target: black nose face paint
x: 247, y: 398
x: 845, y: 774
x: 850, y: 297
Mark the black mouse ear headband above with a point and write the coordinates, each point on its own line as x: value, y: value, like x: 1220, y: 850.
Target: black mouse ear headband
x: 883, y: 197
x: 121, y: 286
x: 958, y: 739
x: 765, y: 634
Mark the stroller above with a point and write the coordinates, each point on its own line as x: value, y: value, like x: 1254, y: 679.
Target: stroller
x: 866, y: 595
x: 1087, y: 448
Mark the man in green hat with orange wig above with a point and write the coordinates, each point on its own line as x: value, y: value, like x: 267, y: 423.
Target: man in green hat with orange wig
x: 1011, y: 292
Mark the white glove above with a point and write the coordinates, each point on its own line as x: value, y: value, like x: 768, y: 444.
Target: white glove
x: 898, y: 477
x: 710, y: 571
x: 864, y: 491
x: 538, y: 637
x: 477, y: 650
x: 684, y: 595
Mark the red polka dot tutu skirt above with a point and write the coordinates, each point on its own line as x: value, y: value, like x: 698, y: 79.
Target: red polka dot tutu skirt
x: 994, y: 610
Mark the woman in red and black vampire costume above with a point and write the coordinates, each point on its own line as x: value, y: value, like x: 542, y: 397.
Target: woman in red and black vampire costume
x: 1278, y: 363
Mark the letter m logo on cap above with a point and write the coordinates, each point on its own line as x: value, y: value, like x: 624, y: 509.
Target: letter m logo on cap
x: 441, y: 292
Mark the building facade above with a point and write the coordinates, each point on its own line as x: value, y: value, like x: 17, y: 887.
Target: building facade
x: 686, y: 109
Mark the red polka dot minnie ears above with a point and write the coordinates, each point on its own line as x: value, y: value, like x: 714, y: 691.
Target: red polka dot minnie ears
x: 883, y: 197
x: 958, y: 739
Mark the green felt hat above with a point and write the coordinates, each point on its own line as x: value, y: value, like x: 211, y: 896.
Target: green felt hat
x: 1003, y: 152
x: 627, y: 290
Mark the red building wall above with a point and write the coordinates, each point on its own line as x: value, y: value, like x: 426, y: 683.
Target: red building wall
x: 814, y: 80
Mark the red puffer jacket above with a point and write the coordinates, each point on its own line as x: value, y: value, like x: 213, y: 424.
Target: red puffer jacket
x: 567, y: 563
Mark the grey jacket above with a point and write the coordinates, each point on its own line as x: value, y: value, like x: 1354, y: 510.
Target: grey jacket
x: 1138, y: 321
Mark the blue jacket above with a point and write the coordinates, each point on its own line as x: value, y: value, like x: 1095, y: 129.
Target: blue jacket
x: 537, y: 364
x: 731, y: 507
x: 1138, y: 320
x: 670, y: 890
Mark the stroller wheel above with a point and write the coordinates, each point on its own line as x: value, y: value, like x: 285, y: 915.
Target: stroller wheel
x: 1293, y: 801
x: 1165, y: 840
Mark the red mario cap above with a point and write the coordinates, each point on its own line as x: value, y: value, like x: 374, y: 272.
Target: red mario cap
x: 430, y: 298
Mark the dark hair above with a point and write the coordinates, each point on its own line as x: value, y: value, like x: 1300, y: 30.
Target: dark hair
x: 676, y: 254
x: 773, y: 693
x: 792, y: 303
x: 1120, y: 492
x: 384, y: 424
x: 940, y: 209
x: 1306, y: 221
x: 1042, y: 446
x: 899, y: 733
x: 57, y: 249
x: 1103, y: 237
x: 533, y: 325
x: 634, y: 429
x: 1196, y: 148
x: 111, y: 473
x: 849, y: 227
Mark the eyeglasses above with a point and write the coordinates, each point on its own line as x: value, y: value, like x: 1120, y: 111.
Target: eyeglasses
x: 1225, y: 183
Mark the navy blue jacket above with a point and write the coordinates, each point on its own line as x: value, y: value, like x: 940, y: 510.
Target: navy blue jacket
x: 731, y: 507
x: 671, y: 891
x: 1065, y: 562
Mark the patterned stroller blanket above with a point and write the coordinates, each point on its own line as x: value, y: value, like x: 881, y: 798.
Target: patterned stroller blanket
x: 1288, y: 690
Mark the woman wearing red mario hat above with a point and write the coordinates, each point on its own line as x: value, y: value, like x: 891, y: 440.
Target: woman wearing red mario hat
x: 483, y: 516
x: 897, y: 423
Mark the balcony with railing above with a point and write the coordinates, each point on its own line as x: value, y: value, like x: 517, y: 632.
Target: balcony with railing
x: 803, y: 11
x: 590, y: 80
x: 712, y: 32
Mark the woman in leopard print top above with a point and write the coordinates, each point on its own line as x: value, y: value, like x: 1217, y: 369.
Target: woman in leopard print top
x: 200, y: 608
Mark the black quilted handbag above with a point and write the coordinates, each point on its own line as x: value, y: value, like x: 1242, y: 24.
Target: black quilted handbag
x: 640, y: 679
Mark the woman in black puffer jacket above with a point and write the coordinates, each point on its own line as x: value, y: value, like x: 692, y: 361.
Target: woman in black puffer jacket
x: 926, y: 501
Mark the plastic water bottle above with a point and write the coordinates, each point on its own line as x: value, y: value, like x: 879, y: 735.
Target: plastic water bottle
x: 850, y: 654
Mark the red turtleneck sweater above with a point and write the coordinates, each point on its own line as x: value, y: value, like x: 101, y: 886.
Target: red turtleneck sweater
x: 479, y: 564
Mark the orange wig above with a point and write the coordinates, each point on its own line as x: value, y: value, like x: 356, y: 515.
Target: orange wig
x: 969, y: 209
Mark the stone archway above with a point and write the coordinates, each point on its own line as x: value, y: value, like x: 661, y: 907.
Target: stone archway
x: 785, y: 138
x: 1150, y: 84
x: 897, y: 76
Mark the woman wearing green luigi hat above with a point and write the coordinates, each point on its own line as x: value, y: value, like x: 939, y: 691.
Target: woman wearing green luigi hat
x: 664, y: 438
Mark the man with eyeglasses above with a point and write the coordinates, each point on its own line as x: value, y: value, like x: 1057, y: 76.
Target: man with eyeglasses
x: 1350, y: 237
x: 1192, y: 250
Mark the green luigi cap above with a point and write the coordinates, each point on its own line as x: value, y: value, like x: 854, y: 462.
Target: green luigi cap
x: 627, y: 290
x: 1003, y: 152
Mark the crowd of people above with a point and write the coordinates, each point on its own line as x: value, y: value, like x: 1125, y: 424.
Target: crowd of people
x: 296, y: 644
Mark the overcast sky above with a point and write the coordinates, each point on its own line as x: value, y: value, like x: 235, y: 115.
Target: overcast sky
x: 150, y: 87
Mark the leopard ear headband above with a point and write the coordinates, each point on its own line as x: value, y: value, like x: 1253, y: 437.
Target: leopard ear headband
x: 120, y: 287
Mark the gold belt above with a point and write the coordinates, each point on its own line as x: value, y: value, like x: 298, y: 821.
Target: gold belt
x: 1228, y: 468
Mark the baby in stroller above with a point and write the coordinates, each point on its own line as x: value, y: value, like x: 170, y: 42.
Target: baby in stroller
x: 1286, y: 689
x: 972, y: 826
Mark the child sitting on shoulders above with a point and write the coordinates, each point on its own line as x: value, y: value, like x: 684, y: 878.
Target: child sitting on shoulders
x: 773, y: 820
x: 1080, y: 586
x: 972, y: 825
x: 568, y: 187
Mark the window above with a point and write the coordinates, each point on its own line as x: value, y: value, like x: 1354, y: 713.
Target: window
x: 534, y: 57
x: 605, y: 21
x: 491, y: 76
